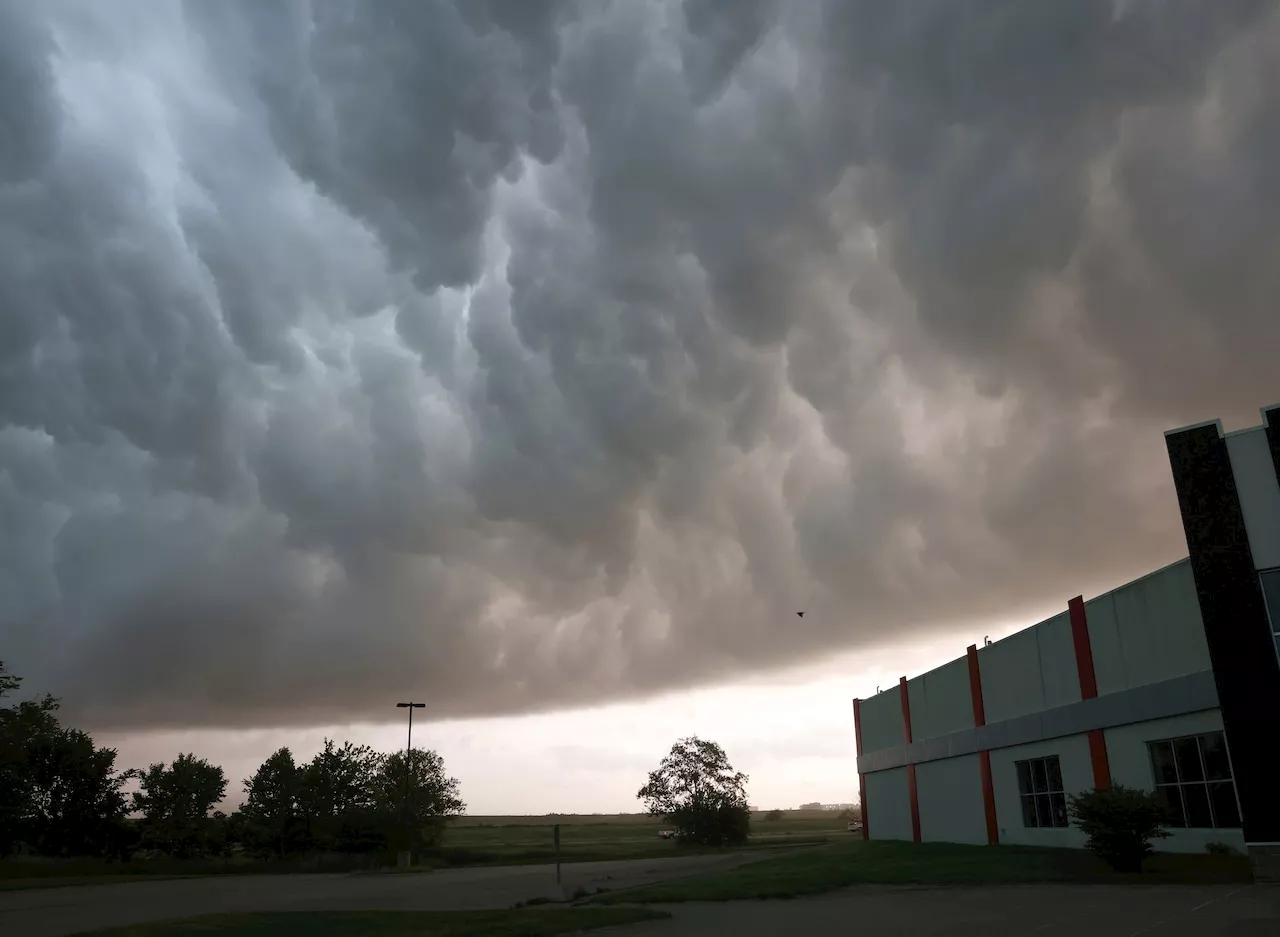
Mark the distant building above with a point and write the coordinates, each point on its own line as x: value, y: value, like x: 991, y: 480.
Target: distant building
x: 1171, y: 683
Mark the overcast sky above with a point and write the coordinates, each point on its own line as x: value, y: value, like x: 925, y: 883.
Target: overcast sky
x: 530, y: 355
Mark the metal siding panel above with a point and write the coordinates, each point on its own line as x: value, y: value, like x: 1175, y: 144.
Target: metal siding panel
x: 1259, y: 493
x: 1057, y: 661
x: 881, y: 721
x: 1104, y: 638
x: 950, y: 796
x: 1011, y: 683
x: 1131, y: 766
x: 889, y: 804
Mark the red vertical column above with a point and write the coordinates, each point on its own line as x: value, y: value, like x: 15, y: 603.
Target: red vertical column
x: 984, y: 756
x: 862, y: 778
x: 911, y: 768
x: 1089, y: 688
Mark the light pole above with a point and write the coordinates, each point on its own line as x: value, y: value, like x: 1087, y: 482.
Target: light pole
x: 408, y: 777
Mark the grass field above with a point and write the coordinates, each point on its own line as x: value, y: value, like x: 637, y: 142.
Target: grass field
x: 391, y: 923
x: 470, y: 841
x: 839, y: 865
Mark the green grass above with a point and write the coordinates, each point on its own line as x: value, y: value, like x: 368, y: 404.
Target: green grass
x: 823, y: 869
x: 470, y: 841
x: 390, y: 923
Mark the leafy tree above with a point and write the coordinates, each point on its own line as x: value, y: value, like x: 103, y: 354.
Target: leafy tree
x: 698, y: 792
x: 272, y: 816
x: 339, y: 799
x: 417, y: 787
x: 62, y: 795
x: 1120, y: 823
x: 74, y: 795
x: 176, y: 802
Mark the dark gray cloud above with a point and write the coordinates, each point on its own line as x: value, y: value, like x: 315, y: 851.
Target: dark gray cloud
x: 526, y: 354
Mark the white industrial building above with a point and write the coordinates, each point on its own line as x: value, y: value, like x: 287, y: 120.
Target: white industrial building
x: 1170, y: 682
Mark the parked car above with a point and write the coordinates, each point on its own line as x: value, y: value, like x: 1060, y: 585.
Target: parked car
x: 667, y: 834
x: 855, y: 826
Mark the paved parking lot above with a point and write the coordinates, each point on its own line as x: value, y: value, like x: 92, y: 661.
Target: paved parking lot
x: 870, y: 911
x: 1039, y: 911
x: 55, y: 912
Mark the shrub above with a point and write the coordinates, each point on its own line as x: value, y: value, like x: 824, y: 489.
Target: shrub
x: 1120, y: 823
x: 773, y: 816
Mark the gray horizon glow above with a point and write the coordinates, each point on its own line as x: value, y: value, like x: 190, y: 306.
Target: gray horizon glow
x: 529, y: 355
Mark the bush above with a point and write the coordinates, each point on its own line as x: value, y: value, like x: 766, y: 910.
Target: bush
x: 773, y: 816
x: 708, y: 823
x: 1221, y: 849
x: 1120, y: 823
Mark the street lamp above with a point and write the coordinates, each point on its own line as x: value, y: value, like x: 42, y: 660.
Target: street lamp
x: 408, y: 776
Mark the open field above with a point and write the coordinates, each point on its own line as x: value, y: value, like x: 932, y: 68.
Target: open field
x: 470, y: 841
x: 839, y: 865
x: 392, y: 923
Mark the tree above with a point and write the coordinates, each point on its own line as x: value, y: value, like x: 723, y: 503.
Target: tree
x: 74, y: 795
x: 417, y: 784
x: 272, y: 817
x: 338, y: 798
x: 1120, y: 823
x: 62, y: 794
x: 176, y: 802
x: 698, y: 792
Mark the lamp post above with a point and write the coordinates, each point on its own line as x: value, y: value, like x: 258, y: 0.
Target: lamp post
x: 408, y: 780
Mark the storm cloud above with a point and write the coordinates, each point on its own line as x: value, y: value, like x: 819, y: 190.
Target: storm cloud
x: 524, y: 354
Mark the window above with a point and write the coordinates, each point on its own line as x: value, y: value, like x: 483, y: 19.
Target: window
x: 1271, y: 593
x: 1193, y: 778
x: 1043, y: 800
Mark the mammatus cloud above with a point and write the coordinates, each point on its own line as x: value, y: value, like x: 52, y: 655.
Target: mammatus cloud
x: 524, y: 354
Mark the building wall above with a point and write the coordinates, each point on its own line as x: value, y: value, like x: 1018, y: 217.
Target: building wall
x: 889, y: 804
x: 882, y: 721
x: 1077, y: 776
x: 941, y: 701
x: 1030, y: 671
x: 1259, y: 492
x: 950, y: 797
x: 1147, y: 630
x: 1131, y: 766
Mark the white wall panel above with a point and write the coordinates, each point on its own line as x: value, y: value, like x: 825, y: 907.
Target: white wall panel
x: 949, y: 793
x: 889, y: 804
x: 1077, y: 775
x: 1259, y: 492
x: 1131, y: 766
x: 1147, y: 630
x: 941, y: 701
x: 882, y: 721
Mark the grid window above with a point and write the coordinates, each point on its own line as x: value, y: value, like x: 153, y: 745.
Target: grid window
x: 1271, y: 593
x: 1193, y: 778
x: 1044, y: 804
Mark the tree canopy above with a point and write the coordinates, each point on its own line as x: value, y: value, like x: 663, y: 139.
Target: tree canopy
x: 63, y: 797
x: 700, y: 794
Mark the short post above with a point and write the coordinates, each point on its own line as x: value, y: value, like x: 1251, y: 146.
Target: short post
x: 557, y: 838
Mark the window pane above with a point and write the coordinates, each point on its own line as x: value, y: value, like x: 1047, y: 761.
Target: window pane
x: 1162, y: 762
x: 1044, y: 810
x: 1039, y: 778
x: 1055, y: 773
x: 1271, y: 589
x: 1173, y: 801
x: 1024, y: 777
x: 1059, y: 805
x: 1226, y: 813
x: 1196, y: 799
x: 1029, y: 811
x: 1216, y: 764
x: 1187, y: 752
